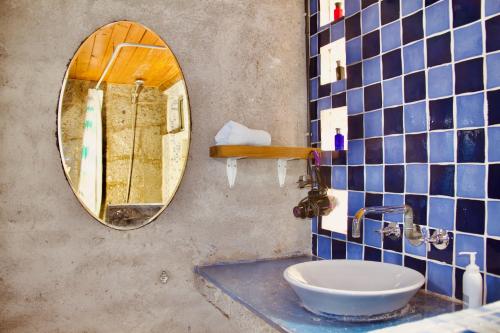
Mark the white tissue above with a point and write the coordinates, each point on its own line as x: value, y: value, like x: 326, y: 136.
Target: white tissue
x: 233, y: 133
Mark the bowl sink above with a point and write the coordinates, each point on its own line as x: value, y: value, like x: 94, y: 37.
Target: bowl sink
x: 353, y: 287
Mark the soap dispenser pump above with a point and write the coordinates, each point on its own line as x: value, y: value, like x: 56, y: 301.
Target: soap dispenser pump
x: 472, y: 283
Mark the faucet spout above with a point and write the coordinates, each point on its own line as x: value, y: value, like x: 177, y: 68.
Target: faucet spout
x: 411, y: 230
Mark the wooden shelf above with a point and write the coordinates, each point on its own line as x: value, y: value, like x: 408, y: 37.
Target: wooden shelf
x: 272, y: 152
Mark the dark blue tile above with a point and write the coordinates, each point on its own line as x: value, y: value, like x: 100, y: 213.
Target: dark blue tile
x: 437, y: 18
x: 465, y: 11
x: 374, y: 151
x: 339, y: 100
x: 371, y: 44
x: 469, y: 76
x: 326, y: 175
x: 371, y: 200
x: 324, y: 38
x: 417, y: 264
x: 339, y: 158
x: 441, y: 113
x: 442, y: 180
x: 393, y: 244
x: 419, y: 205
x: 393, y: 120
x: 394, y: 178
x: 313, y: 112
x: 373, y: 97
x: 470, y: 216
x: 338, y: 249
x: 492, y: 255
x: 493, y: 289
x: 372, y: 254
x: 493, y: 177
x: 415, y: 87
x: 470, y: 146
x: 391, y: 64
x: 324, y: 90
x: 493, y: 34
x: 356, y: 178
x: 430, y: 2
x: 352, y: 26
x: 366, y: 3
x: 355, y: 127
x: 416, y: 148
x: 389, y: 11
x: 413, y: 28
x: 440, y: 279
x: 470, y: 110
x: 314, y: 244
x: 394, y: 149
x: 468, y: 41
x: 313, y: 24
x: 445, y: 255
x: 313, y: 67
x: 326, y: 158
x: 438, y: 50
x: 354, y: 76
x: 493, y: 107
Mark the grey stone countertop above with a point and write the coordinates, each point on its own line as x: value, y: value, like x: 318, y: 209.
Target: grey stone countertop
x: 260, y: 287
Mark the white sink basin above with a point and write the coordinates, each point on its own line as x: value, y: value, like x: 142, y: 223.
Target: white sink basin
x: 353, y: 287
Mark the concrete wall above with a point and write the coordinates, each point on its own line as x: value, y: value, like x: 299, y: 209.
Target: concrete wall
x: 61, y: 271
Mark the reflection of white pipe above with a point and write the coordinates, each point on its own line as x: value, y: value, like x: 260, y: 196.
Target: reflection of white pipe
x: 117, y: 51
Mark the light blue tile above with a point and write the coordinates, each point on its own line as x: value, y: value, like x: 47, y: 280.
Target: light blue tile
x: 413, y: 57
x: 314, y: 225
x: 371, y: 236
x: 336, y: 235
x: 353, y: 50
x: 440, y: 82
x: 493, y: 218
x: 410, y: 6
x: 393, y: 149
x: 441, y: 147
x: 355, y: 101
x: 470, y: 110
x: 491, y: 7
x: 314, y: 88
x: 468, y: 41
x: 393, y: 92
x: 338, y: 86
x: 355, y: 201
x: 415, y: 117
x: 324, y: 247
x: 374, y: 178
x: 437, y: 18
x: 391, y: 36
x: 371, y: 71
x: 373, y: 124
x: 313, y: 6
x: 352, y: 7
x: 339, y: 177
x: 439, y: 278
x: 417, y: 178
x: 314, y: 131
x: 337, y: 31
x: 493, y: 68
x: 470, y: 180
x: 370, y: 18
x: 493, y: 142
x: 492, y: 288
x: 313, y: 46
x: 324, y: 103
x: 355, y: 154
x: 469, y: 243
x: 420, y: 250
x: 354, y: 251
x: 393, y: 200
x: 393, y: 258
x: 441, y: 213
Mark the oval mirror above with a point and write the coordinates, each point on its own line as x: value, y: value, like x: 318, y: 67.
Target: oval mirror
x: 124, y: 125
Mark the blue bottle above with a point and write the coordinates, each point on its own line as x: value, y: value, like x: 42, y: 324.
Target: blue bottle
x: 339, y: 140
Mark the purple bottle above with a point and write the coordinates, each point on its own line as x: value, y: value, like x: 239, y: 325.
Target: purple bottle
x: 339, y: 140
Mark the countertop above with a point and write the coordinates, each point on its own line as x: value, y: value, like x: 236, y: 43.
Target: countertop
x: 260, y: 287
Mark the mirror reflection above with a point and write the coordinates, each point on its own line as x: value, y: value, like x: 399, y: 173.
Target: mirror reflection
x: 124, y: 125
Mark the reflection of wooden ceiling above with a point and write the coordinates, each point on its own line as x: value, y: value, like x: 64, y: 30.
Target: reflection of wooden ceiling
x: 158, y: 68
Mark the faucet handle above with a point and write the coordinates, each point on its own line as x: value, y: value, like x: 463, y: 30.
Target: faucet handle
x: 391, y: 230
x: 439, y: 238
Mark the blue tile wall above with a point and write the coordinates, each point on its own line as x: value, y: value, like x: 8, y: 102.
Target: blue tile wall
x: 423, y: 100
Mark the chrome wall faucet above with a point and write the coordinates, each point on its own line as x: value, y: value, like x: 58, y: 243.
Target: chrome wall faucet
x: 411, y: 231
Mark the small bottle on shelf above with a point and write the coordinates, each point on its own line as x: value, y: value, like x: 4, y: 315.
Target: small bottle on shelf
x: 339, y: 140
x: 340, y: 71
x: 338, y: 12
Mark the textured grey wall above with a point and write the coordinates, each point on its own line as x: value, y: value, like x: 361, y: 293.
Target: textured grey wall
x: 62, y: 271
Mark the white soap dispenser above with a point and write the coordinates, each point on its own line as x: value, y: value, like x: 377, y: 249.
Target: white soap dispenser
x: 472, y: 283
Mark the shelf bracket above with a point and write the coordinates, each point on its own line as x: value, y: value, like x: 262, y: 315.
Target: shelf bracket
x: 231, y: 170
x: 282, y: 170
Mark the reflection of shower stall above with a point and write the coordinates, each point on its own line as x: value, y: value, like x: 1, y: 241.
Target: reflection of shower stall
x: 123, y: 214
